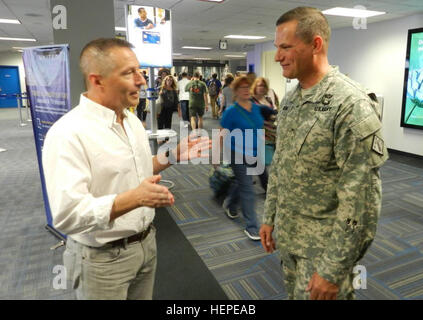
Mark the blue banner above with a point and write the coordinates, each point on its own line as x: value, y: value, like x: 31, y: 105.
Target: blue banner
x: 48, y: 87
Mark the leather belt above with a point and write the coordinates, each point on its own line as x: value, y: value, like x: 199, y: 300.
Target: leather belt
x: 134, y: 238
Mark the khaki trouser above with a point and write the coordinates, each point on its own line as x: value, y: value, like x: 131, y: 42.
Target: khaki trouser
x: 214, y: 106
x: 112, y: 272
x: 297, y: 273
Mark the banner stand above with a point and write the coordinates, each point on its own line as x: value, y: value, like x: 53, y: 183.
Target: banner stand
x: 48, y: 94
x: 62, y: 239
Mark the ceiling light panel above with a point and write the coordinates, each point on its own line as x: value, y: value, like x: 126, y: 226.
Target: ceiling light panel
x: 238, y: 36
x: 196, y: 48
x: 13, y: 21
x: 353, y: 13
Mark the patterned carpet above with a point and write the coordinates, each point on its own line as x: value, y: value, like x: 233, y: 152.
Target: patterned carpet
x: 394, y: 263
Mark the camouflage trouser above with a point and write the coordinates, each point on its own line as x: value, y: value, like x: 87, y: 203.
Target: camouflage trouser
x: 297, y: 273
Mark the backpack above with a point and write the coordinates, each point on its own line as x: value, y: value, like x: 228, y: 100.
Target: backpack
x: 213, y: 88
x: 195, y: 88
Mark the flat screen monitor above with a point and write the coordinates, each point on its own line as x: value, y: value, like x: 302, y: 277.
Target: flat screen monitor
x: 150, y: 31
x: 412, y: 102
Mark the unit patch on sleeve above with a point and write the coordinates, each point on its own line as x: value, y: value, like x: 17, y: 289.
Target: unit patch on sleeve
x: 378, y: 145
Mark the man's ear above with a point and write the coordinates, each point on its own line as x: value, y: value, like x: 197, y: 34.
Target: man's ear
x: 318, y: 44
x: 95, y: 80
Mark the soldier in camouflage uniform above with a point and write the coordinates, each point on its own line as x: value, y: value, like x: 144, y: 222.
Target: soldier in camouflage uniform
x: 324, y: 192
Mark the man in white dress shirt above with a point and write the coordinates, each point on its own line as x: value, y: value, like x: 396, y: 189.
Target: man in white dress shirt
x: 102, y: 180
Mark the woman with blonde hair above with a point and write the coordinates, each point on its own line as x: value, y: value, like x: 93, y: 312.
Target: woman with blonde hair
x: 259, y: 95
x: 168, y: 99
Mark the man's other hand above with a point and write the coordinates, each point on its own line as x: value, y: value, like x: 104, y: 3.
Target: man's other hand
x: 321, y: 289
x: 150, y: 194
x: 266, y: 238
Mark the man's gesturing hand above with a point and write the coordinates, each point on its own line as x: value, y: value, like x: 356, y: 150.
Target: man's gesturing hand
x: 321, y: 289
x: 150, y: 194
x: 193, y: 147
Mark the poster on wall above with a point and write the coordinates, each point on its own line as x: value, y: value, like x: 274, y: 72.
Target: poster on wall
x: 48, y: 86
x: 412, y: 103
x: 149, y: 29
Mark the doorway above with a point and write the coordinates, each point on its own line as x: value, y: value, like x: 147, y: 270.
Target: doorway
x: 9, y: 86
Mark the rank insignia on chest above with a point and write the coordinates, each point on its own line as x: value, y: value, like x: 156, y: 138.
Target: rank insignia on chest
x: 285, y: 108
x: 377, y: 145
x: 326, y: 99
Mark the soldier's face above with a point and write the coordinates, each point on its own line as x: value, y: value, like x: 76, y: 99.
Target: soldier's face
x: 292, y: 53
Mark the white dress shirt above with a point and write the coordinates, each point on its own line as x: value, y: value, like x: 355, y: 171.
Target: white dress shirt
x: 87, y: 160
x: 183, y: 95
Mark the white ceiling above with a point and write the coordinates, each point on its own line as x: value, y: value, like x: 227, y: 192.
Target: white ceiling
x: 198, y: 23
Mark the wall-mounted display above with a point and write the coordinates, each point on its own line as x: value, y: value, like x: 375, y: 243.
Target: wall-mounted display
x: 149, y: 29
x: 412, y: 103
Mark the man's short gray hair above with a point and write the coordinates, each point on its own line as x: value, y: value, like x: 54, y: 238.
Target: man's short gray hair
x: 311, y: 23
x: 95, y: 56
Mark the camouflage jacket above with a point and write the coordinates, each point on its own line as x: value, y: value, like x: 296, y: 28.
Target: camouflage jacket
x: 324, y: 191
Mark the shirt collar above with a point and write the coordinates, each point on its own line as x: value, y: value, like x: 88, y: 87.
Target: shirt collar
x: 315, y: 93
x: 105, y: 114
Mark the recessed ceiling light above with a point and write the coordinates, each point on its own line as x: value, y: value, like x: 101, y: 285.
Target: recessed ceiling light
x: 234, y: 56
x: 14, y: 21
x: 354, y: 13
x: 16, y: 39
x: 218, y: 1
x: 177, y: 54
x: 237, y: 36
x: 120, y: 28
x: 196, y: 48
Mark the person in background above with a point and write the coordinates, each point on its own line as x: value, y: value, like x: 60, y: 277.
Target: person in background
x: 242, y: 116
x: 227, y: 96
x: 198, y: 100
x: 144, y: 74
x: 143, y: 22
x: 251, y: 76
x: 259, y: 91
x: 169, y: 103
x: 214, y: 88
x: 163, y: 73
x: 324, y: 193
x: 183, y: 110
x: 102, y: 181
x: 141, y: 108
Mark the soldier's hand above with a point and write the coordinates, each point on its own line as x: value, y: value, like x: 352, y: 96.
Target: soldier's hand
x: 266, y: 238
x: 150, y: 194
x: 321, y: 289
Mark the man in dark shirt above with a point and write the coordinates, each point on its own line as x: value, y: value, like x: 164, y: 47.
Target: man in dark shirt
x: 143, y: 22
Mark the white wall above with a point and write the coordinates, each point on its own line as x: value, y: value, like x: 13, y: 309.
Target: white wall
x: 14, y: 59
x: 376, y: 58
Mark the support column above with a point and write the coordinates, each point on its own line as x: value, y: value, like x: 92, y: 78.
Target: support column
x: 86, y: 20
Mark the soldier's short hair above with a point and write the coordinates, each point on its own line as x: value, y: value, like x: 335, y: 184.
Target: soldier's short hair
x: 95, y: 56
x: 311, y: 23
